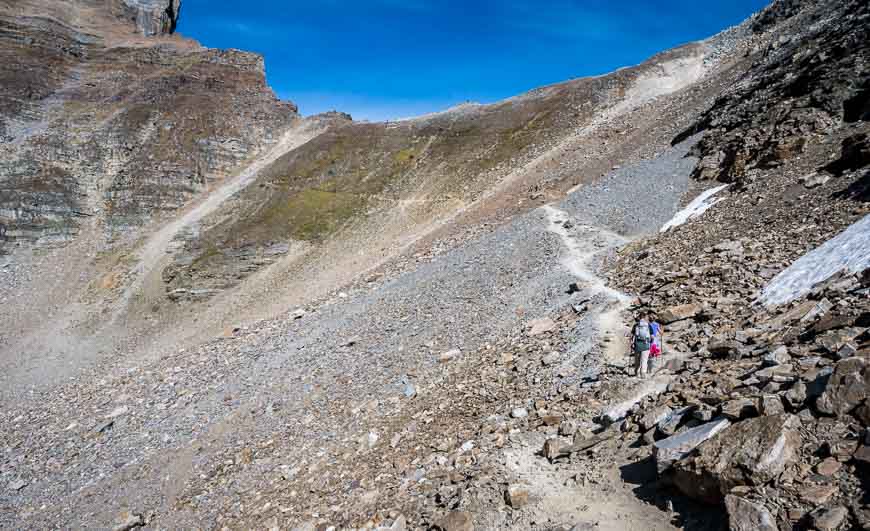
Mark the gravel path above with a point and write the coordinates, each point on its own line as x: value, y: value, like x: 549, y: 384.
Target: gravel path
x: 119, y: 438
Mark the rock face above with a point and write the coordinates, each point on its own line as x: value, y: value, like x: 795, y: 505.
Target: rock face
x: 152, y: 17
x: 752, y: 452
x: 118, y: 135
x: 807, y: 78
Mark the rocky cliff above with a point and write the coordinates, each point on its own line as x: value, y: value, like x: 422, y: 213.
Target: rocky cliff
x: 152, y: 17
x: 118, y: 135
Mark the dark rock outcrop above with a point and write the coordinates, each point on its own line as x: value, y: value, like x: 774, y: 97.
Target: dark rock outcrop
x: 804, y: 82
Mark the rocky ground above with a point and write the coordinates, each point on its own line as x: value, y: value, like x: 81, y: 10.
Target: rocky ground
x: 344, y: 381
x: 473, y: 374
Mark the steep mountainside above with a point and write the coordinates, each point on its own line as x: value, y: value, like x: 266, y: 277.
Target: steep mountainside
x: 220, y: 314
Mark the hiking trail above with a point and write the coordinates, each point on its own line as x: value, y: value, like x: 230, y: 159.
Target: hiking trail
x: 160, y: 243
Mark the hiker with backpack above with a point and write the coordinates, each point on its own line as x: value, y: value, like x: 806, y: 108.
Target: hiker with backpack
x: 641, y: 342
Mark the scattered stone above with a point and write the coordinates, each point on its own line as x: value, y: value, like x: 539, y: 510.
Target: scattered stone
x: 541, y: 326
x: 550, y: 359
x: 552, y: 419
x: 739, y: 409
x: 516, y: 496
x: 17, y: 485
x: 450, y: 355
x: 654, y: 416
x: 778, y: 356
x: 797, y: 395
x: 567, y: 428
x: 813, y: 180
x: 847, y: 388
x: 828, y: 467
x: 830, y: 519
x: 862, y: 454
x: 667, y: 451
x: 679, y: 313
x: 668, y: 426
x: 129, y: 521
x: 817, y: 494
x: 771, y: 405
x: 519, y: 412
x: 352, y: 341
x: 744, y: 515
x: 118, y: 412
x: 456, y: 521
x: 410, y: 390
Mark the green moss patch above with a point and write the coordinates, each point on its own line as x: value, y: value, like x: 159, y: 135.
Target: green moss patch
x: 310, y: 215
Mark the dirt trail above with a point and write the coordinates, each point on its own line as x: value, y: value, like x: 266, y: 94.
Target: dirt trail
x: 561, y: 496
x: 160, y: 243
x: 578, y: 259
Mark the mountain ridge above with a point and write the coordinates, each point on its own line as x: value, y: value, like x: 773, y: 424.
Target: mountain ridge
x: 217, y: 311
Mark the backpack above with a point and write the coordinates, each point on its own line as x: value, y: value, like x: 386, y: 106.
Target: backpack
x: 642, y: 337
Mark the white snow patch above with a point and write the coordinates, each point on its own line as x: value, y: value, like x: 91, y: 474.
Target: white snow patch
x: 698, y: 206
x: 849, y: 250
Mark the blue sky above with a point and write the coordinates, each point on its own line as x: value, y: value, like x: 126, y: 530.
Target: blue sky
x: 384, y: 59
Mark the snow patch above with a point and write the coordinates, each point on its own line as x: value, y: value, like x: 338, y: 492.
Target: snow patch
x: 698, y: 206
x: 849, y: 250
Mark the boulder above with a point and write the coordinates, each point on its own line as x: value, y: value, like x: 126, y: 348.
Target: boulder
x: 777, y: 356
x: 516, y: 496
x: 828, y: 467
x: 678, y: 313
x: 668, y: 425
x: 834, y: 340
x: 739, y: 408
x: 797, y: 395
x: 831, y: 519
x: 777, y: 374
x: 813, y: 180
x: 848, y: 387
x: 751, y: 452
x: 770, y: 405
x: 724, y: 348
x: 667, y: 451
x: 744, y: 515
x: 653, y: 417
x: 541, y: 326
x: 456, y: 521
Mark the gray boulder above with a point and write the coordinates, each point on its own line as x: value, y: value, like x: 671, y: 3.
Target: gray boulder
x: 777, y: 356
x: 678, y: 313
x: 848, y: 387
x: 752, y: 452
x: 744, y: 515
x: 667, y: 451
